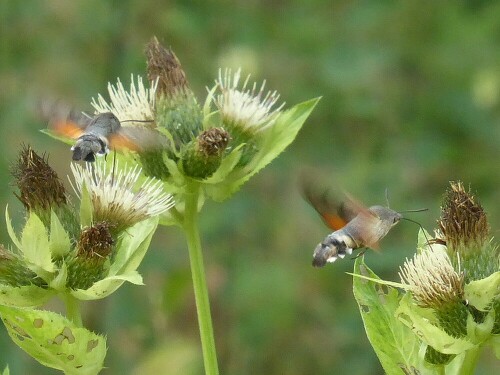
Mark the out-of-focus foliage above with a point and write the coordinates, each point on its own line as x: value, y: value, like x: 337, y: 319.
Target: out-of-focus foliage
x: 411, y: 100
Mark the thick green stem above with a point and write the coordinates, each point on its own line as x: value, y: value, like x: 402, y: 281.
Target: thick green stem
x: 199, y: 279
x: 73, y: 312
x: 470, y: 361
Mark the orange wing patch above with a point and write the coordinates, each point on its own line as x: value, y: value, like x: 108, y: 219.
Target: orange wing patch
x: 66, y: 128
x: 119, y: 142
x: 333, y: 221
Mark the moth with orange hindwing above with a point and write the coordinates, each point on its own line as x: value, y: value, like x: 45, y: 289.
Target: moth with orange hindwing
x: 354, y: 225
x: 96, y: 135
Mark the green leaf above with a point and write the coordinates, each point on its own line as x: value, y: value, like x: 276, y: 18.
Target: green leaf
x: 55, y: 341
x: 226, y: 166
x: 52, y: 134
x: 395, y: 345
x: 423, y: 323
x: 10, y: 229
x: 6, y: 371
x: 133, y: 246
x: 59, y: 281
x: 59, y: 242
x: 86, y: 208
x: 107, y: 286
x: 274, y: 141
x: 480, y: 332
x: 480, y: 293
x: 35, y: 246
x: 278, y: 136
x: 24, y: 296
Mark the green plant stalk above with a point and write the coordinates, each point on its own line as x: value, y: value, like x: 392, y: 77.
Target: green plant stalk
x: 73, y: 312
x: 199, y: 280
x: 470, y: 361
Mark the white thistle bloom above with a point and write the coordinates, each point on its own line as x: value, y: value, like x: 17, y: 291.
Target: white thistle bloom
x: 250, y: 108
x: 116, y: 196
x: 432, y: 278
x: 136, y: 104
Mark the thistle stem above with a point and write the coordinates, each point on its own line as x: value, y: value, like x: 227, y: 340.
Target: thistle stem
x: 470, y: 361
x: 73, y: 312
x: 199, y: 280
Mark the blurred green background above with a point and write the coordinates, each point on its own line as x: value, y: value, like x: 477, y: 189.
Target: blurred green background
x: 411, y: 100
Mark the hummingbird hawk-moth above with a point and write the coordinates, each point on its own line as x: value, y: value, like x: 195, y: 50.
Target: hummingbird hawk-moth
x: 354, y: 226
x: 95, y: 135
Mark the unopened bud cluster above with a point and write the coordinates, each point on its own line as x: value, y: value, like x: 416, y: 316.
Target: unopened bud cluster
x: 438, y: 276
x: 78, y: 246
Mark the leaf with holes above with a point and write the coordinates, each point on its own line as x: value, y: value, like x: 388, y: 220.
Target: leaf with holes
x: 55, y: 341
x: 395, y: 345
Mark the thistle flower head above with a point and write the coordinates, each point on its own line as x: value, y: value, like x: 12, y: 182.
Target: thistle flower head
x: 136, y: 104
x: 247, y: 108
x: 115, y: 196
x: 213, y: 141
x: 38, y: 183
x: 202, y: 157
x: 95, y: 241
x: 165, y: 68
x: 463, y: 220
x: 432, y: 278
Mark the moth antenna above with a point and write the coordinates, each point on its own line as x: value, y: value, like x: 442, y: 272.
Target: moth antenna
x: 415, y: 210
x: 387, y: 197
x: 421, y: 227
x: 137, y: 121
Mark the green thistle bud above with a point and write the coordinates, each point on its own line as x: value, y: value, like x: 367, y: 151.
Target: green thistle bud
x: 165, y: 67
x: 41, y: 190
x: 13, y: 271
x: 88, y: 264
x: 39, y: 186
x: 203, y: 156
x: 465, y: 230
x: 463, y: 221
x: 176, y: 109
x: 181, y: 116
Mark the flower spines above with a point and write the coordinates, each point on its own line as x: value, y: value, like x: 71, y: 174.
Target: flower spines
x: 164, y: 67
x: 181, y: 117
x: 41, y: 190
x: 245, y: 111
x: 464, y: 227
x: 463, y: 220
x: 117, y: 197
x: 14, y: 272
x: 39, y: 186
x: 203, y: 156
x: 88, y: 263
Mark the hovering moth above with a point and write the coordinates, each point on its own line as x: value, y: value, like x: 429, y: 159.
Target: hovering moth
x: 354, y: 226
x: 95, y: 135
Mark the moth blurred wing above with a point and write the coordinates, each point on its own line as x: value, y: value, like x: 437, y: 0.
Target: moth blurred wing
x: 335, y: 215
x: 135, y: 138
x: 66, y: 129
